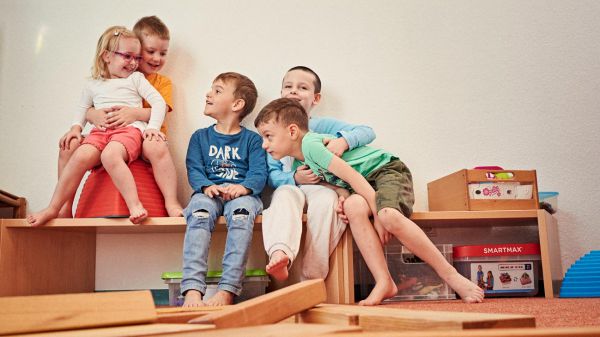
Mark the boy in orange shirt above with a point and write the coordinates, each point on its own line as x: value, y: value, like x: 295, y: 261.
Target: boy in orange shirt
x: 154, y: 36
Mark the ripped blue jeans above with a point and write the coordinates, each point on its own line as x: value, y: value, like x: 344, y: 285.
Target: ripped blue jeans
x: 200, y: 216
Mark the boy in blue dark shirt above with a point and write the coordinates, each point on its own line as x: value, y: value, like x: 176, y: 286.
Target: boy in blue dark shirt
x: 227, y: 170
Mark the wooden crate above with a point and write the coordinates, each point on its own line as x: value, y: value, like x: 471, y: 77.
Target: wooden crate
x: 451, y: 193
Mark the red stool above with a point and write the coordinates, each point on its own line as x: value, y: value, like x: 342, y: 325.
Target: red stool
x: 101, y: 199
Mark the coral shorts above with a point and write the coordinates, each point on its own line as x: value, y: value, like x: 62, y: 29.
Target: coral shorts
x: 129, y: 136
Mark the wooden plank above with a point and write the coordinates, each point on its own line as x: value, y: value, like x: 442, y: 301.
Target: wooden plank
x: 25, y: 314
x: 183, y: 315
x: 127, y: 331
x: 340, y: 279
x: 269, y: 308
x: 273, y: 330
x: 381, y: 318
x: 520, y: 332
x: 549, y: 253
x: 36, y: 262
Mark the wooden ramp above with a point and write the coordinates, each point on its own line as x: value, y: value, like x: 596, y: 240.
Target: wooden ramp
x: 381, y: 318
x: 25, y: 314
x: 127, y: 331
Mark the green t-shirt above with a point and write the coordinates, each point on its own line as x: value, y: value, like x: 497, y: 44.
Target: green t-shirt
x: 363, y: 159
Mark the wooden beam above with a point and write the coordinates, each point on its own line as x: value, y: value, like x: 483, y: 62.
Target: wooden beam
x: 183, y: 315
x: 270, y: 308
x: 26, y: 314
x: 520, y: 332
x: 381, y: 318
x: 127, y: 331
x: 273, y: 330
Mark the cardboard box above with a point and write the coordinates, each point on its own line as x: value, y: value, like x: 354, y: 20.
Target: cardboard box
x: 501, y: 270
x: 482, y: 190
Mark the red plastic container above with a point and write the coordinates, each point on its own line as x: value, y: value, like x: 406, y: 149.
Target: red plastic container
x: 101, y: 199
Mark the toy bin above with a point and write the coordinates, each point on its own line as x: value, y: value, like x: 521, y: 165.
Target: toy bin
x: 254, y: 284
x: 484, y: 189
x: 415, y: 279
x: 501, y: 270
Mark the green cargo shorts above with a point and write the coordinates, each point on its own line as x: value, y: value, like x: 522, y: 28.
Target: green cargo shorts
x: 393, y: 186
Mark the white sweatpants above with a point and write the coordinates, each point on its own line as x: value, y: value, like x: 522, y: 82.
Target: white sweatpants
x: 282, y: 226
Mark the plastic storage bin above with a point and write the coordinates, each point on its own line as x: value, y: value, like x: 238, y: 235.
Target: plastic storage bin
x: 254, y: 284
x: 415, y: 279
x: 501, y: 270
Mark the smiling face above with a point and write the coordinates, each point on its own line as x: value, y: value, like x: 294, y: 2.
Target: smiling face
x: 219, y: 99
x: 299, y: 85
x: 154, y: 54
x: 117, y: 62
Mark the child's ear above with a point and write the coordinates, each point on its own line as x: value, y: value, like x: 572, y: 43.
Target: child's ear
x: 238, y: 105
x: 106, y: 56
x: 317, y: 99
x: 294, y: 131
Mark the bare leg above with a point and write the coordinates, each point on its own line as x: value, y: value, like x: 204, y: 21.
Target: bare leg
x: 363, y: 232
x: 222, y: 297
x: 114, y: 159
x: 157, y: 152
x: 86, y: 157
x: 193, y: 298
x: 413, y: 237
x: 278, y: 265
x: 66, y: 211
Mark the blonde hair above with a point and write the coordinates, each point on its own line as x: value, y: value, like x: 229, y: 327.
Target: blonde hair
x: 108, y: 42
x: 152, y: 26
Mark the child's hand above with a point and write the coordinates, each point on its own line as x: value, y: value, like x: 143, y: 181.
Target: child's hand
x: 153, y: 134
x: 340, y: 209
x: 98, y: 117
x: 233, y: 191
x: 212, y: 191
x: 65, y: 141
x: 384, y: 235
x: 336, y: 146
x: 121, y: 116
x: 304, y: 175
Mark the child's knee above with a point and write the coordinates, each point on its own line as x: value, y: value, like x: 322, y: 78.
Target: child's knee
x: 155, y: 150
x: 200, y: 217
x: 390, y: 217
x: 356, y: 206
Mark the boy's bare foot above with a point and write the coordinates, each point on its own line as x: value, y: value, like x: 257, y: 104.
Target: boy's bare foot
x: 138, y: 214
x: 193, y: 298
x: 382, y: 291
x: 222, y: 297
x: 174, y: 210
x: 278, y: 264
x: 41, y: 217
x: 467, y: 290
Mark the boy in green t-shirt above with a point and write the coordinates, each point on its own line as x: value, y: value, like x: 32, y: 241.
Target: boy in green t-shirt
x: 383, y: 189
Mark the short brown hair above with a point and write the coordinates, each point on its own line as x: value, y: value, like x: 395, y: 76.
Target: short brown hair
x: 316, y: 82
x: 244, y: 89
x: 285, y: 111
x: 151, y: 25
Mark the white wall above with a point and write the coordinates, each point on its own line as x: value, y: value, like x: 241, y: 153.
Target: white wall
x: 445, y: 84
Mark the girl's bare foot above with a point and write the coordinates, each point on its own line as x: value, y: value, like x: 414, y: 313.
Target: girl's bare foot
x: 467, y: 290
x: 41, y: 217
x: 193, y: 298
x: 278, y: 264
x: 382, y: 291
x: 222, y: 297
x: 137, y: 214
x: 174, y: 210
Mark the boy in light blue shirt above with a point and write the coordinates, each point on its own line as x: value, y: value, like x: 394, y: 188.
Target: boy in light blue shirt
x: 227, y: 171
x: 297, y: 187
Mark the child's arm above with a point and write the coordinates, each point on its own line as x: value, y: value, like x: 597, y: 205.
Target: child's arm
x: 195, y: 165
x: 277, y: 176
x: 153, y: 97
x: 256, y: 177
x: 353, y: 135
